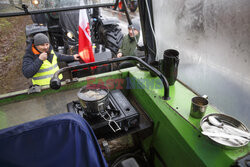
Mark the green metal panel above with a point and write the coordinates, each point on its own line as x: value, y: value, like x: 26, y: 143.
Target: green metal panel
x: 3, y: 120
x: 178, y: 139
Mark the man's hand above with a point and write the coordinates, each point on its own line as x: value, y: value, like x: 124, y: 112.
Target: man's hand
x: 43, y: 56
x: 119, y: 55
x: 76, y: 57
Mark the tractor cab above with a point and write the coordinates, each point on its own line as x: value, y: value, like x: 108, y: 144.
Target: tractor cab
x: 184, y: 103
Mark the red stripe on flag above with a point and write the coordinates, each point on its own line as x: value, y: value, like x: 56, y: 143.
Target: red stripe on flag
x: 85, y: 47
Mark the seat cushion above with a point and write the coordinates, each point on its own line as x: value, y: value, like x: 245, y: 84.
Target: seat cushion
x: 60, y: 140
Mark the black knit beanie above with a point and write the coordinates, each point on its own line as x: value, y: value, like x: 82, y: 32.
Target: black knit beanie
x: 40, y: 39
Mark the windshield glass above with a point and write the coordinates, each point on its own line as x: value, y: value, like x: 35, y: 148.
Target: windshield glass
x: 21, y: 7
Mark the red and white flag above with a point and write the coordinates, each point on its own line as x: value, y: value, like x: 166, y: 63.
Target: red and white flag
x: 85, y: 47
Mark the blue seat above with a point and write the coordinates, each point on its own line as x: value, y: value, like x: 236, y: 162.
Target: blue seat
x: 64, y: 140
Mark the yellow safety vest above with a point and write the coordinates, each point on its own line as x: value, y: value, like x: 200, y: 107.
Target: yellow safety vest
x: 46, y: 71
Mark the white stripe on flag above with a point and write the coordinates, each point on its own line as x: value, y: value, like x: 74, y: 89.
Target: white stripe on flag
x: 83, y: 20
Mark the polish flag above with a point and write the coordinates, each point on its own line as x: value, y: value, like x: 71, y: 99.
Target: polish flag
x: 85, y: 47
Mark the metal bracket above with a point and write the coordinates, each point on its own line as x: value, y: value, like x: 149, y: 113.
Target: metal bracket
x: 71, y: 80
x: 106, y: 147
x: 34, y: 89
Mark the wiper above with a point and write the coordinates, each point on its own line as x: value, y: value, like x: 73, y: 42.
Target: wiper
x: 25, y: 11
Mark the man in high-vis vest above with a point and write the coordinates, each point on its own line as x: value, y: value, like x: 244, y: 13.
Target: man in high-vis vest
x: 40, y: 60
